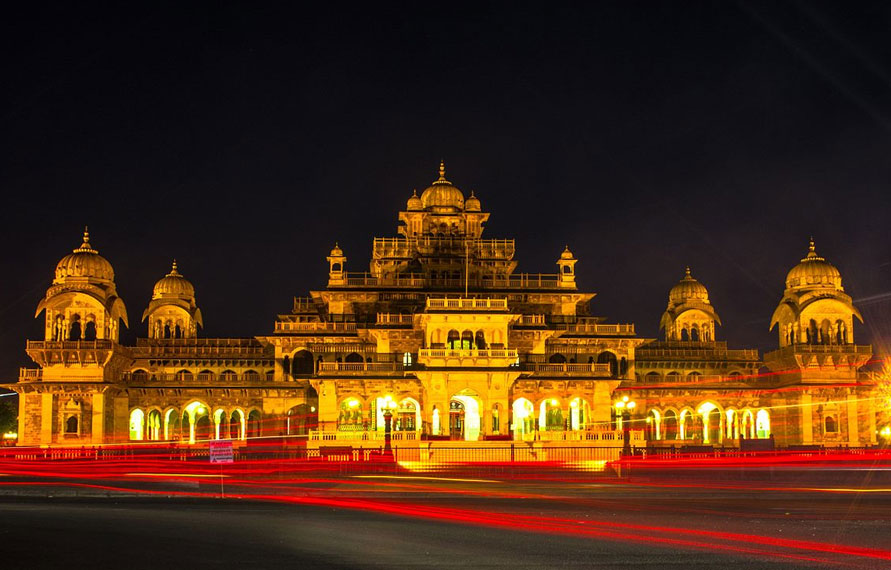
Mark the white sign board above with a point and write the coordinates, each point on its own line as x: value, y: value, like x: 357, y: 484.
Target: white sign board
x: 221, y: 451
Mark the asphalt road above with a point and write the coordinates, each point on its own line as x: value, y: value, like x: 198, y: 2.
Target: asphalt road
x: 493, y: 524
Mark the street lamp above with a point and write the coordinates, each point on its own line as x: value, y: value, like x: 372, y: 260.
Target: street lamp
x: 389, y: 405
x: 624, y: 408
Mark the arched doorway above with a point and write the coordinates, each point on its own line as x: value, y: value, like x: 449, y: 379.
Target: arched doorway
x: 550, y: 417
x: 464, y: 417
x: 579, y: 414
x: 300, y: 419
x: 408, y: 415
x: 237, y: 425
x: 137, y: 425
x: 302, y: 363
x: 253, y: 424
x: 653, y: 427
x: 762, y: 424
x: 608, y: 357
x: 670, y: 425
x: 153, y: 425
x: 524, y: 419
x: 203, y: 428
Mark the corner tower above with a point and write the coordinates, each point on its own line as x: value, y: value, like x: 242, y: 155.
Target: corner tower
x: 74, y: 398
x: 815, y: 309
x: 82, y: 302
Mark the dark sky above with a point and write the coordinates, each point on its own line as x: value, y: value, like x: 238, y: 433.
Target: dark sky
x: 646, y: 135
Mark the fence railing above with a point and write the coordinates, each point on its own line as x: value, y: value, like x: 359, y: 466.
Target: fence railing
x: 592, y: 368
x: 471, y: 304
x: 509, y: 353
x: 359, y: 367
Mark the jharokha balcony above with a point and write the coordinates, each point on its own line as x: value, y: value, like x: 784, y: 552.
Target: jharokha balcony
x: 468, y: 304
x: 487, y: 357
x: 596, y: 369
x: 420, y: 281
x: 357, y: 368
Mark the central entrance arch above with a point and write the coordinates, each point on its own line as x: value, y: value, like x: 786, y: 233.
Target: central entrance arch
x: 464, y: 417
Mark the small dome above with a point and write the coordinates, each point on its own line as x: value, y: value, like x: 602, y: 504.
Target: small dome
x: 566, y: 254
x: 813, y: 271
x: 442, y: 193
x: 336, y: 252
x: 84, y: 262
x: 472, y: 204
x: 414, y: 203
x: 687, y: 289
x: 173, y: 285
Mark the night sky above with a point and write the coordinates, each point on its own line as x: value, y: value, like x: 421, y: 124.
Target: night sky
x: 648, y: 136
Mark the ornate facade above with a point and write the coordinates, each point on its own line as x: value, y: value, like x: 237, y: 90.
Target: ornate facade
x: 443, y: 335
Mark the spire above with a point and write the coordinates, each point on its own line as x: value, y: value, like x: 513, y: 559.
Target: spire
x: 442, y: 170
x: 173, y: 270
x: 812, y: 252
x: 85, y: 247
x: 687, y: 274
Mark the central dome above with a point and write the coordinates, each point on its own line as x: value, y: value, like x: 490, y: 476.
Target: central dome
x: 442, y: 193
x: 813, y: 271
x: 84, y: 262
x: 173, y: 285
x: 687, y: 289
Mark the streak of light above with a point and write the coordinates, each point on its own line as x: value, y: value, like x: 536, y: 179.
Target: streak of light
x: 425, y: 478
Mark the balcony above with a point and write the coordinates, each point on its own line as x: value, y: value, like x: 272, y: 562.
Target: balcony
x: 598, y: 370
x: 590, y: 327
x: 400, y: 319
x: 406, y: 248
x: 417, y: 281
x: 359, y: 368
x: 446, y: 357
x: 30, y: 374
x: 314, y: 327
x: 460, y: 304
x: 69, y: 345
x: 200, y: 347
x: 858, y: 349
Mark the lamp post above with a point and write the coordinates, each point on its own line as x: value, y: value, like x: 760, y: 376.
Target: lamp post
x: 388, y: 406
x: 624, y: 408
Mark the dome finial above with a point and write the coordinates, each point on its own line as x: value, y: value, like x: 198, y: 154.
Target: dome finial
x: 811, y: 247
x: 85, y: 247
x: 173, y: 270
x: 442, y: 170
x: 687, y: 274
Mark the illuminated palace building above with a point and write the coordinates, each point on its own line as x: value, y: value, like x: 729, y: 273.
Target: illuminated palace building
x: 447, y: 341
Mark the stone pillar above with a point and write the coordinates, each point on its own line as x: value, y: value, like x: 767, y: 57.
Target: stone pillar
x: 853, y: 434
x: 807, y: 419
x: 97, y: 427
x: 47, y: 418
x: 328, y: 410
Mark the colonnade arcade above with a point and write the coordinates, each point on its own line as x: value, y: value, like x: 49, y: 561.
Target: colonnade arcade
x: 464, y: 419
x: 708, y: 423
x: 193, y: 422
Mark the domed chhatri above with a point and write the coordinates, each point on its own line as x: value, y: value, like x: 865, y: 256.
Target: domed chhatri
x: 813, y: 271
x: 442, y: 194
x: 173, y: 312
x: 414, y: 203
x: 84, y: 263
x: 173, y: 285
x: 472, y: 204
x: 687, y: 289
x: 690, y: 315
